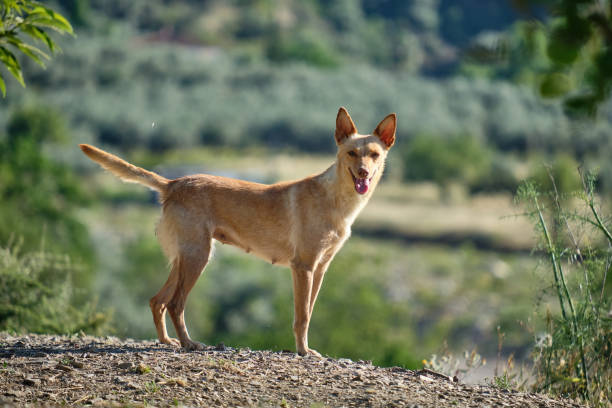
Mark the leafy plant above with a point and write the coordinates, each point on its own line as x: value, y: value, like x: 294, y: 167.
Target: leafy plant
x: 39, y: 193
x: 37, y: 295
x: 151, y: 387
x: 573, y: 356
x: 565, y: 50
x: 30, y: 19
x: 461, y: 158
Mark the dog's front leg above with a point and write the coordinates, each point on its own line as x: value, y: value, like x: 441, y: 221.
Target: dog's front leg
x: 302, y: 286
x: 319, y: 273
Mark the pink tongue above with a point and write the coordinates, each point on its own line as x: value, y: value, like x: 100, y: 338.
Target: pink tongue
x: 361, y: 185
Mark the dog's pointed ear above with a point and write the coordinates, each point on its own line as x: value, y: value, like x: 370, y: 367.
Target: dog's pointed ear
x: 344, y: 126
x: 386, y: 130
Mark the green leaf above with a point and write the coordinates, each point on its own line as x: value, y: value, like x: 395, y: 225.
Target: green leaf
x: 555, y: 85
x: 567, y: 40
x: 2, y: 86
x: 42, y: 16
x: 29, y: 50
x: 40, y: 35
x: 581, y: 106
x: 8, y: 58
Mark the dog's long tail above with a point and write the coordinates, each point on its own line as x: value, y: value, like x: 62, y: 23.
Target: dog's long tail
x: 124, y: 170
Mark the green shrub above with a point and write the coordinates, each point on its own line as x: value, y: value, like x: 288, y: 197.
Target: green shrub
x: 501, y: 176
x: 461, y: 158
x: 37, y: 295
x: 305, y: 47
x: 562, y: 169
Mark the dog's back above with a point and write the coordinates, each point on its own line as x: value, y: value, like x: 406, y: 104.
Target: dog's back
x: 301, y: 224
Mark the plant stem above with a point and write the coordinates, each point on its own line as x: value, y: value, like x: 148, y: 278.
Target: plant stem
x: 572, y: 237
x: 553, y: 257
x: 600, y: 223
x: 589, y: 190
x: 559, y: 277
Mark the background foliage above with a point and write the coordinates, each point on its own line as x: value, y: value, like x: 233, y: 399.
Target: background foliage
x: 485, y: 92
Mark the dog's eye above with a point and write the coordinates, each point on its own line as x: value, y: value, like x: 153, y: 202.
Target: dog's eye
x: 352, y: 154
x: 374, y: 155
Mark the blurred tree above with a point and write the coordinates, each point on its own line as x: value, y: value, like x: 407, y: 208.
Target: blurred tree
x: 579, y: 47
x: 29, y: 18
x: 461, y: 158
x: 305, y: 46
x: 562, y: 169
x: 77, y: 10
x: 41, y: 289
x: 39, y: 195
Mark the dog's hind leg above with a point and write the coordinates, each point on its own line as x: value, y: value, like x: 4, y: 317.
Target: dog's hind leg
x: 159, y: 304
x: 190, y: 264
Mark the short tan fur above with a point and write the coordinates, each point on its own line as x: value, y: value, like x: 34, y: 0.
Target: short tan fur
x: 300, y: 224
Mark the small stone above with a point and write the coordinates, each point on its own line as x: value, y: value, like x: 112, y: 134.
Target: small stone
x: 77, y: 364
x: 126, y: 365
x: 32, y: 382
x: 118, y: 380
x: 130, y: 386
x: 180, y: 381
x: 63, y: 367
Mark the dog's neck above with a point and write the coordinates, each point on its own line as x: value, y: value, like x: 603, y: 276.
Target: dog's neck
x: 341, y: 193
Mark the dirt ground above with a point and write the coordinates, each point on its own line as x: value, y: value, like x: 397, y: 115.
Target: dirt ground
x: 43, y: 370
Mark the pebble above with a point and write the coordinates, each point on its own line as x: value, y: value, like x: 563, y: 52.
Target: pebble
x: 31, y: 382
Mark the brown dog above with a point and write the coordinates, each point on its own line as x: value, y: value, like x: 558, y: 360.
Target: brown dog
x: 300, y: 224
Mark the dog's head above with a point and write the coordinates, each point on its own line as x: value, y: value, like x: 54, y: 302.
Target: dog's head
x: 361, y: 158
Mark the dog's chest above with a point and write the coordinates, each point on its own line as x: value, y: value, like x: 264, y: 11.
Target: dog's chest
x: 336, y: 227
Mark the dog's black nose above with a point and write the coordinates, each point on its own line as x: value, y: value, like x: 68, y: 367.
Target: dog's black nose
x: 362, y: 172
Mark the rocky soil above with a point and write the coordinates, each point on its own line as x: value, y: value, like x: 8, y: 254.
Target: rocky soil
x: 42, y: 370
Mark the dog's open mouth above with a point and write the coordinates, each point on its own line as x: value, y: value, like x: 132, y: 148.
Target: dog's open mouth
x: 361, y: 184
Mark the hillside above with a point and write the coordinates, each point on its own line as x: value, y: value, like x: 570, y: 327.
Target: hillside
x: 43, y: 370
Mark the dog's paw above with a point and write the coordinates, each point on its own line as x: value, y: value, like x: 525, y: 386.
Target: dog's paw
x: 191, y: 345
x: 309, y: 352
x: 170, y: 341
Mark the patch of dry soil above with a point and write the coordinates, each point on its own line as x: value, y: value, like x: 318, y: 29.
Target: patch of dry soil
x: 42, y: 370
